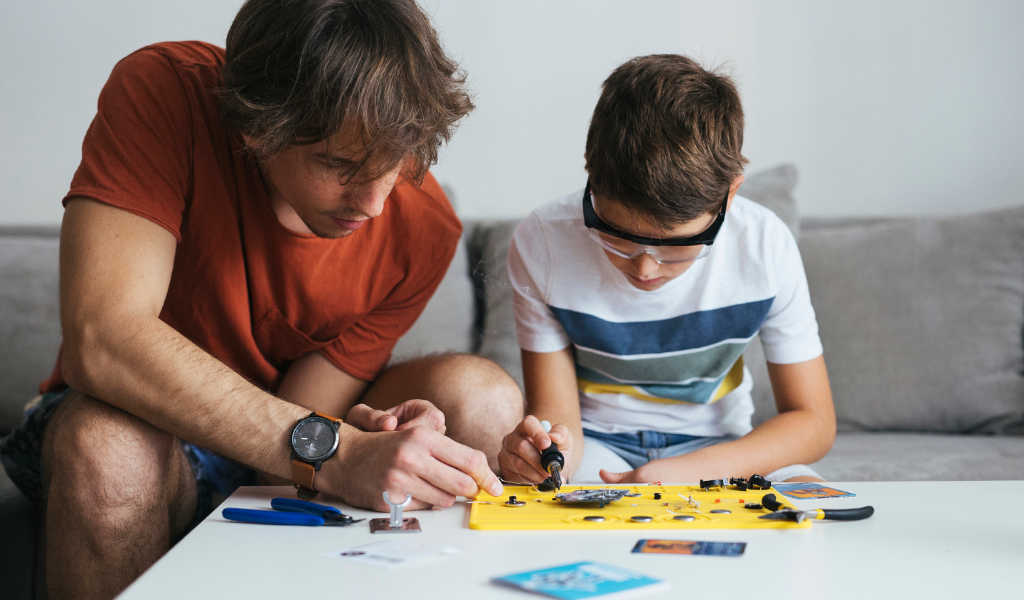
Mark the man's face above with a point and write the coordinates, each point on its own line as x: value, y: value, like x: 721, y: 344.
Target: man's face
x: 643, y: 272
x: 311, y: 188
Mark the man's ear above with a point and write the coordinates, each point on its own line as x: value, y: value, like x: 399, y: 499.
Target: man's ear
x: 736, y: 183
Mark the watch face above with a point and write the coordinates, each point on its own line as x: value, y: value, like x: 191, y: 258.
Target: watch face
x: 314, y: 439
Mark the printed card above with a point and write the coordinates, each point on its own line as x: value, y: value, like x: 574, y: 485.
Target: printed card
x: 691, y: 548
x: 810, y: 491
x: 583, y: 580
x: 391, y: 553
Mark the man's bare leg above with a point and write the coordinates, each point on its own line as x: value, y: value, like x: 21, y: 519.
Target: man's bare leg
x: 480, y: 401
x: 120, y: 491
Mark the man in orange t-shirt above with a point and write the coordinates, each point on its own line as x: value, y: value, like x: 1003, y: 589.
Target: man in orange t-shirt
x: 249, y: 233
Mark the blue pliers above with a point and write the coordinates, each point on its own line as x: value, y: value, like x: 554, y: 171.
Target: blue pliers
x: 289, y: 511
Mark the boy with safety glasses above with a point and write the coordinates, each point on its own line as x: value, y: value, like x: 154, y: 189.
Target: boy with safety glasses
x: 635, y: 301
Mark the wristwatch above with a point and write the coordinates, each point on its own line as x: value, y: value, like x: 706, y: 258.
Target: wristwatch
x: 314, y: 440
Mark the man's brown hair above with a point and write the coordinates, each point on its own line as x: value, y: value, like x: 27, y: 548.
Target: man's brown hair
x: 300, y: 71
x: 665, y: 139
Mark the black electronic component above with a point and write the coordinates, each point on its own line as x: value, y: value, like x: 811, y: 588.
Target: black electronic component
x: 770, y: 502
x: 759, y: 483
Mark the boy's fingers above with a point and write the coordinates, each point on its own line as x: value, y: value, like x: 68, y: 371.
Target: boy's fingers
x: 526, y: 471
x: 609, y: 477
x: 534, y: 431
x: 560, y: 435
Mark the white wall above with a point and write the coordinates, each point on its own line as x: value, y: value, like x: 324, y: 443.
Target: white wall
x: 886, y: 107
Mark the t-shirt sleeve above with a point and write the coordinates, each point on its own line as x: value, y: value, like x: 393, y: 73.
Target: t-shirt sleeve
x: 529, y: 269
x: 364, y: 349
x: 137, y: 152
x: 790, y: 331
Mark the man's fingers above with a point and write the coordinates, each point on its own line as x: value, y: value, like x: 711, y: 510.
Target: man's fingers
x: 469, y: 462
x: 418, y: 413
x: 368, y: 419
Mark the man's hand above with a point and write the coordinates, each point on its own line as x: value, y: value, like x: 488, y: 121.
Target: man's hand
x: 417, y: 460
x: 411, y: 413
x: 520, y: 451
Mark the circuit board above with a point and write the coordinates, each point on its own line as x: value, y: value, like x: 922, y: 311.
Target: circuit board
x: 594, y: 507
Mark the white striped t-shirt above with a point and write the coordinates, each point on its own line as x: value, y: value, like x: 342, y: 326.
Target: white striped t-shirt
x: 671, y: 359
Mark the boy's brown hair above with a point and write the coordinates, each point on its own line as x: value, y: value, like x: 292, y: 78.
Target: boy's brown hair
x: 665, y: 139
x: 300, y: 71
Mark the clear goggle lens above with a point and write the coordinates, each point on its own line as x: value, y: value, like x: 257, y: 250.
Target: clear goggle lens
x: 663, y: 255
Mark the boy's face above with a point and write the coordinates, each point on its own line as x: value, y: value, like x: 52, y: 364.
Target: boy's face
x: 643, y: 272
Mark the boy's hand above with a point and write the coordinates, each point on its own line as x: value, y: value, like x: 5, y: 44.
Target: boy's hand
x: 411, y: 413
x: 520, y: 451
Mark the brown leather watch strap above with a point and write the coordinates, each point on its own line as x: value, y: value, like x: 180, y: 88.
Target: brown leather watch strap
x: 303, y: 474
x: 328, y: 417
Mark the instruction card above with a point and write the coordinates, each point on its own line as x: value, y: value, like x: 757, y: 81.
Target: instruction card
x: 391, y: 553
x: 583, y: 580
x: 691, y: 548
x: 809, y: 491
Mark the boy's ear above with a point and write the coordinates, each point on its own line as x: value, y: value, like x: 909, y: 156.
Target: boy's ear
x: 736, y: 183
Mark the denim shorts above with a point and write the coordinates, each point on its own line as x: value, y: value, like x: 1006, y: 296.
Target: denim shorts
x: 619, y: 452
x: 21, y: 455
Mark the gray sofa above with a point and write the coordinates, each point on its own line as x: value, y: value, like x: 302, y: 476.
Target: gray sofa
x: 921, y: 319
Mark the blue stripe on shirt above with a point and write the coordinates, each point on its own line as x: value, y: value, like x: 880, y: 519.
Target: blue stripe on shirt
x: 685, y: 332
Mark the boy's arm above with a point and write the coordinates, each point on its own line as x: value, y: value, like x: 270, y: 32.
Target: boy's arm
x: 801, y: 433
x: 551, y: 395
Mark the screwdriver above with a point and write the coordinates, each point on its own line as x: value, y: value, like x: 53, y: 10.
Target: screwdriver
x: 552, y: 462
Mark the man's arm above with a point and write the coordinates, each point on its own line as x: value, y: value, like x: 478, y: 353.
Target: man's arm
x: 115, y: 272
x: 801, y: 433
x: 551, y: 395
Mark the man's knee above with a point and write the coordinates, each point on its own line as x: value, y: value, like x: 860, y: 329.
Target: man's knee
x: 480, y: 387
x: 109, y: 464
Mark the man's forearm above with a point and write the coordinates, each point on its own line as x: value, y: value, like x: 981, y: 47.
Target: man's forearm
x: 148, y: 369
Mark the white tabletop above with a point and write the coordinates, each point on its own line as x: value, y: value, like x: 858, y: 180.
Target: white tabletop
x: 926, y: 539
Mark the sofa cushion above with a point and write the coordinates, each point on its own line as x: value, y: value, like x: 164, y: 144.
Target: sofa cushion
x: 489, y: 250
x: 448, y: 321
x: 29, y: 317
x: 921, y: 320
x: 858, y: 456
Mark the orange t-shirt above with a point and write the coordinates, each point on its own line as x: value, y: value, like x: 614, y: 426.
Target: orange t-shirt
x: 252, y: 293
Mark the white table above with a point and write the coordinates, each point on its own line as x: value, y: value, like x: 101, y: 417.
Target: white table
x: 926, y: 540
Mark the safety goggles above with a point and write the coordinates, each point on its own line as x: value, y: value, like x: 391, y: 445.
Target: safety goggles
x: 665, y: 251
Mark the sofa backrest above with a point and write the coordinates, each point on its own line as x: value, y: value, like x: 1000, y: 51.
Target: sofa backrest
x: 922, y: 320
x: 29, y: 317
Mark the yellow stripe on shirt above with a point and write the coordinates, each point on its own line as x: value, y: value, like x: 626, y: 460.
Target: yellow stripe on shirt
x: 732, y: 380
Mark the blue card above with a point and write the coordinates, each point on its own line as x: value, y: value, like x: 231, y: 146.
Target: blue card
x: 691, y: 548
x: 583, y: 580
x: 810, y: 491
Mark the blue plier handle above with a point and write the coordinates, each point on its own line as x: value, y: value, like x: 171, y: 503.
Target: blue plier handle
x: 289, y: 511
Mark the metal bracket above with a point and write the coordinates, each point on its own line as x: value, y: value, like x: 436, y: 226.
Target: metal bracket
x: 396, y: 524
